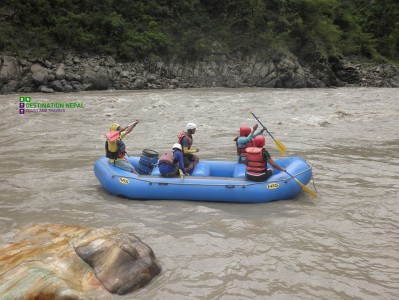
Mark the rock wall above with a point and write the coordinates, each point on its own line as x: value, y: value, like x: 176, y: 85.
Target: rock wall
x: 80, y: 72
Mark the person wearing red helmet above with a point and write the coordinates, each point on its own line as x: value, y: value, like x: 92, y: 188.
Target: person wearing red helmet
x: 257, y: 159
x: 245, y: 140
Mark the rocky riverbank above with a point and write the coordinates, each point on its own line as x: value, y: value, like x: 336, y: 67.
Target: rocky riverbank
x: 75, y: 72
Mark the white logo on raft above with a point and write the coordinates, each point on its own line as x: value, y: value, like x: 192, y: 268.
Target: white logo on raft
x: 123, y: 180
x: 272, y: 186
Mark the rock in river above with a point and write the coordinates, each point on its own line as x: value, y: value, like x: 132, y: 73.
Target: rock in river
x: 73, y: 262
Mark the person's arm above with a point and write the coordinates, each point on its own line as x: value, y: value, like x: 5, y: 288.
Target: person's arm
x: 252, y: 134
x: 242, y: 140
x: 179, y: 156
x: 187, y: 151
x: 184, y: 143
x: 274, y: 165
x: 259, y: 132
x: 130, y: 128
x: 267, y: 157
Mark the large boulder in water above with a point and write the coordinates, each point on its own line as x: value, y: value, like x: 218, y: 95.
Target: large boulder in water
x: 73, y: 262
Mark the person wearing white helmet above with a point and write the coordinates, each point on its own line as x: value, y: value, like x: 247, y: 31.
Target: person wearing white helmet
x: 185, y: 139
x: 171, y: 161
x: 115, y: 148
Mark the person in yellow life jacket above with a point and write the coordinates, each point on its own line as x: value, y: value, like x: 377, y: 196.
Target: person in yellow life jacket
x: 245, y: 140
x: 185, y: 139
x: 115, y: 148
x: 257, y: 159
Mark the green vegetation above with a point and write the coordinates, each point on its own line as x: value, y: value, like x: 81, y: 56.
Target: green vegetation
x: 190, y: 29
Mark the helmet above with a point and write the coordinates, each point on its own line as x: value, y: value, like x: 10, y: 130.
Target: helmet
x: 176, y: 146
x: 259, y: 141
x: 245, y: 130
x: 191, y: 126
x: 114, y: 126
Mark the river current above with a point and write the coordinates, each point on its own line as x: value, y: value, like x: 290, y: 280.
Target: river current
x: 342, y: 245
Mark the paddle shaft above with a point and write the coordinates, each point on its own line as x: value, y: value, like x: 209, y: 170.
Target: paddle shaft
x: 128, y: 126
x: 263, y: 126
x: 304, y: 187
x: 280, y: 146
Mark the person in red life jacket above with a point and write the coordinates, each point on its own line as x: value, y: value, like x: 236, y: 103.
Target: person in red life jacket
x: 115, y: 148
x: 171, y: 161
x: 245, y: 140
x: 185, y: 139
x: 257, y: 159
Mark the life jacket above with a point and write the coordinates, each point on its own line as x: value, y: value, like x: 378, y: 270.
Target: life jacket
x: 255, y: 162
x: 121, y: 152
x: 167, y: 157
x: 188, y: 136
x: 241, y: 150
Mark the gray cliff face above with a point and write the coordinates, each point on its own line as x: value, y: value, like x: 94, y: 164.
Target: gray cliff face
x: 80, y: 72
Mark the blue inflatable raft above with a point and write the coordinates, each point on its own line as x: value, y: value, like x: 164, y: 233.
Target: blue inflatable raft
x: 217, y: 181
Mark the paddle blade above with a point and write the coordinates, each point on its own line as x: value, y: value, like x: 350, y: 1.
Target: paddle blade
x: 280, y: 146
x: 306, y: 189
x: 112, y: 135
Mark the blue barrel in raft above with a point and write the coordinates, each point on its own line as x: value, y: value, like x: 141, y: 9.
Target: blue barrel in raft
x: 147, y: 162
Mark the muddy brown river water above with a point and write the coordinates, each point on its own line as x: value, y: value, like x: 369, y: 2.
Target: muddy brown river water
x: 343, y: 245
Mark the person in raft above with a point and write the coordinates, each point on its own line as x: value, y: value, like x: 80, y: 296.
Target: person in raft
x: 171, y: 162
x: 257, y: 159
x: 185, y: 139
x: 115, y: 148
x: 245, y: 140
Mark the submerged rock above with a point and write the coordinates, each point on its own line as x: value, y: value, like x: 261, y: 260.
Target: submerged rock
x: 73, y: 262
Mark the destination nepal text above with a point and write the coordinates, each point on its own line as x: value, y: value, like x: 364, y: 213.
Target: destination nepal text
x: 54, y: 105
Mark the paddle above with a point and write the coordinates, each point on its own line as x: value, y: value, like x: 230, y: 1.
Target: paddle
x: 280, y: 146
x: 181, y: 174
x: 305, y: 188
